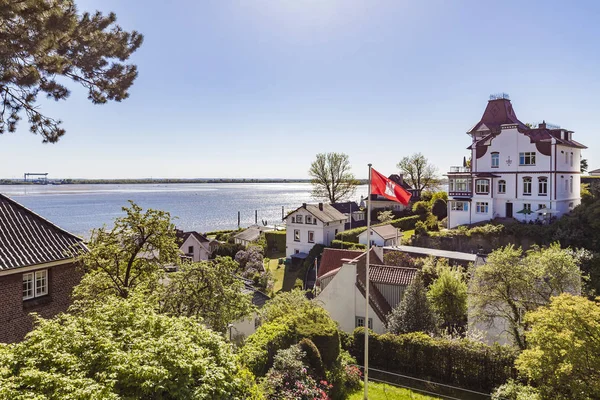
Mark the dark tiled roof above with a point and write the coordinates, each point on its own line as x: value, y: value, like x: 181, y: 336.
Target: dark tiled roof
x: 201, y: 238
x: 497, y: 113
x: 28, y: 239
x: 332, y: 259
x: 250, y: 234
x: 392, y: 275
x: 327, y: 214
x: 347, y: 207
x: 258, y: 298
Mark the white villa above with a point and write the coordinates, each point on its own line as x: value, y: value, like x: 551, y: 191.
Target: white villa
x: 516, y: 171
x: 196, y: 246
x: 384, y: 235
x: 312, y: 224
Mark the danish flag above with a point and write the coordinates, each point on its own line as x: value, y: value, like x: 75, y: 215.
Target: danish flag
x: 388, y: 188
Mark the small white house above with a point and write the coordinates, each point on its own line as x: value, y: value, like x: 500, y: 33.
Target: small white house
x: 595, y: 172
x: 240, y: 330
x: 384, y: 235
x: 312, y: 224
x: 196, y: 246
x: 343, y: 292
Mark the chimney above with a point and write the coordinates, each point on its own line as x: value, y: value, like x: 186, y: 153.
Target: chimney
x: 321, y: 206
x: 401, y: 179
x: 303, y: 205
x: 542, y: 125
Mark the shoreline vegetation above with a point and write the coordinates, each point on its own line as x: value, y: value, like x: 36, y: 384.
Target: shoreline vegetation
x: 150, y: 181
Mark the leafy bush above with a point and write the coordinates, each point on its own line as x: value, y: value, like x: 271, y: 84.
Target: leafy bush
x: 275, y: 241
x: 514, y: 390
x: 260, y: 347
x: 398, y: 259
x: 312, y: 358
x: 439, y: 208
x: 405, y: 224
x: 338, y: 244
x: 462, y: 362
x: 448, y: 297
x: 414, y: 313
x: 227, y: 250
x: 421, y: 228
x: 421, y: 207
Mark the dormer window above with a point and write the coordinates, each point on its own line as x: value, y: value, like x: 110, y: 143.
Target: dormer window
x: 495, y: 160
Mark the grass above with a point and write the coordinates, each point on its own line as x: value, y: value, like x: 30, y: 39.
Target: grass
x: 278, y: 273
x: 381, y: 391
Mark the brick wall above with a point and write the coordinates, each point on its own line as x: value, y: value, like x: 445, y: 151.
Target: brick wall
x: 15, y: 321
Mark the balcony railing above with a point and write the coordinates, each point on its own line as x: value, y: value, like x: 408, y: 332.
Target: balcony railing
x: 455, y: 170
x: 460, y: 193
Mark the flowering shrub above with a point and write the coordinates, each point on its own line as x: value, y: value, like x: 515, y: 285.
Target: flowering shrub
x: 289, y: 378
x: 353, y: 377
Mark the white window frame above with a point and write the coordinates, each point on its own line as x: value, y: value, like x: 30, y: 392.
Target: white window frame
x: 308, y: 219
x: 527, y: 206
x: 298, y: 219
x: 359, y: 322
x: 527, y: 158
x: 296, y: 235
x: 495, y: 160
x: 37, y: 282
x: 311, y: 240
x: 527, y: 185
x: 481, y: 206
x: 460, y: 206
x: 484, y: 183
x: 543, y: 184
x: 501, y: 186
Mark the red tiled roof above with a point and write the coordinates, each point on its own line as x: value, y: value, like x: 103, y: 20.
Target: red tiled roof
x: 28, y: 239
x: 332, y: 259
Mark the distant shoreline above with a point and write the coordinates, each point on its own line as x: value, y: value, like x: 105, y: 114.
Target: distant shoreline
x: 148, y: 181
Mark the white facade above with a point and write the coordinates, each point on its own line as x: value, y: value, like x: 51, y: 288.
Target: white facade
x: 240, y: 330
x: 198, y: 251
x: 345, y: 303
x: 378, y: 240
x: 304, y: 230
x: 513, y: 169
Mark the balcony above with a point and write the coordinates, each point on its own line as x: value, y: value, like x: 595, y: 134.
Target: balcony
x: 460, y: 170
x: 460, y: 193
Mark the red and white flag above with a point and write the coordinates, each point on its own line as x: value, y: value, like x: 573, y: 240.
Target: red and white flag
x: 388, y: 188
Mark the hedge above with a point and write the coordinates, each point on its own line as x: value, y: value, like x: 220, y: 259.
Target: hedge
x: 406, y: 224
x: 338, y: 244
x: 275, y: 240
x: 464, y: 363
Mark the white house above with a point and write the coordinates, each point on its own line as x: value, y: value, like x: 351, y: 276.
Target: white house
x: 240, y: 330
x: 312, y: 224
x: 343, y: 291
x: 196, y: 246
x: 250, y: 235
x: 384, y: 235
x: 515, y: 170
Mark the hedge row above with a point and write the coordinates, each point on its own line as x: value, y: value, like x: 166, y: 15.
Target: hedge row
x: 405, y: 224
x: 338, y: 244
x: 275, y: 240
x: 464, y: 363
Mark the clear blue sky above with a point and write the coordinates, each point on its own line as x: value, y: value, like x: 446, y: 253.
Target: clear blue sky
x: 256, y: 88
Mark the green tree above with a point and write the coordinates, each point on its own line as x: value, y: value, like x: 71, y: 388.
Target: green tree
x: 448, y: 297
x: 439, y: 208
x: 44, y: 43
x: 398, y: 259
x: 209, y: 291
x: 418, y: 172
x: 584, y: 165
x: 130, y: 255
x: 414, y: 313
x: 563, y: 358
x: 331, y: 177
x: 121, y: 349
x: 385, y: 216
x: 511, y: 283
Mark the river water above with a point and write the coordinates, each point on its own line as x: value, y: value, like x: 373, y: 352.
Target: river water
x: 202, y: 207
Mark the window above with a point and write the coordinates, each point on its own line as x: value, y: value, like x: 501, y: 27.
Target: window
x: 311, y: 237
x: 527, y: 206
x: 296, y: 235
x: 495, y: 160
x: 336, y: 232
x: 566, y: 157
x: 460, y: 206
x: 298, y: 219
x: 35, y: 284
x: 482, y: 186
x: 571, y: 184
x: 501, y: 186
x: 481, y: 208
x: 459, y: 185
x: 190, y: 249
x: 540, y: 206
x: 360, y: 322
x: 571, y: 159
x: 542, y: 186
x: 527, y: 185
x: 296, y: 251
x: 566, y: 185
x: 308, y: 219
x: 527, y: 158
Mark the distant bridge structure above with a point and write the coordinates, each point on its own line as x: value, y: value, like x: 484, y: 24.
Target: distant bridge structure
x: 43, y: 176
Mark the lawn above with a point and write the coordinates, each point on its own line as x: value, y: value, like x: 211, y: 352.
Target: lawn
x: 381, y: 391
x: 278, y: 273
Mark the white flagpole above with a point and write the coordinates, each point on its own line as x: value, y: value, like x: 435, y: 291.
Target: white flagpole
x: 367, y: 290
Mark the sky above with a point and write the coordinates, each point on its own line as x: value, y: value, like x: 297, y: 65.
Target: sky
x: 255, y: 89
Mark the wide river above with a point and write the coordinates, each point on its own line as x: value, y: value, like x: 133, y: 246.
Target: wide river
x: 202, y: 207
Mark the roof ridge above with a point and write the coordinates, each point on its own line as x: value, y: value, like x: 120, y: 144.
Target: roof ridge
x: 36, y: 215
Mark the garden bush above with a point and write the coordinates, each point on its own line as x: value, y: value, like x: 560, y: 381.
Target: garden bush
x: 405, y: 224
x: 275, y: 241
x: 460, y: 362
x: 338, y: 244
